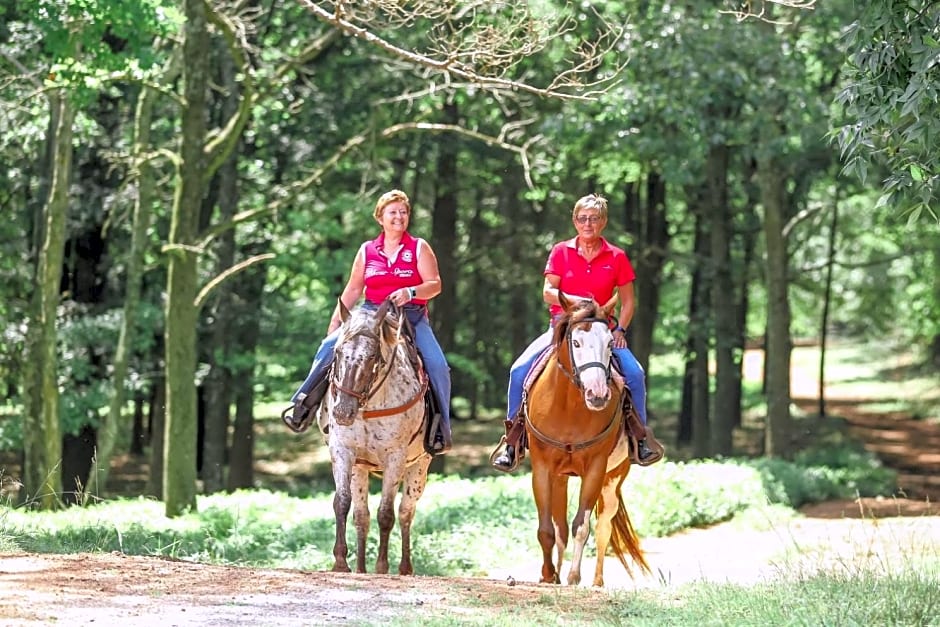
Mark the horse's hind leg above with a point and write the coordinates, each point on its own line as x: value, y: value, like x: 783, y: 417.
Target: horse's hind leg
x: 607, y: 505
x: 416, y: 477
x: 391, y: 478
x: 361, y: 518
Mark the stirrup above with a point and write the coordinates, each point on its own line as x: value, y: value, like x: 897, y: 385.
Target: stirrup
x: 652, y: 444
x: 516, y: 459
x: 305, y: 422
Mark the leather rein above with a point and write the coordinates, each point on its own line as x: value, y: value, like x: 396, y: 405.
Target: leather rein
x: 372, y: 387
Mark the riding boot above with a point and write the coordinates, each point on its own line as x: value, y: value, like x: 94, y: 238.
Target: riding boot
x: 643, y: 450
x: 440, y: 443
x: 509, y: 459
x: 506, y: 459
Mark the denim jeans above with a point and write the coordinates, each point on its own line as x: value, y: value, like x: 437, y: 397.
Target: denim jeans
x: 629, y: 366
x: 425, y: 341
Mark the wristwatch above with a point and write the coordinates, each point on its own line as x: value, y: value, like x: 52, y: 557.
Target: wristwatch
x: 619, y: 328
x: 413, y: 292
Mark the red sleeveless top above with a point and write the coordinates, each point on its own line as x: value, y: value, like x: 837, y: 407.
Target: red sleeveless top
x: 384, y: 275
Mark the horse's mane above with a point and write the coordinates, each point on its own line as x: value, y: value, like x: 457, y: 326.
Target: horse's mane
x: 582, y: 310
x: 361, y: 318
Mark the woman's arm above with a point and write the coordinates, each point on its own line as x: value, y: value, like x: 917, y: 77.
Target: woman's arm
x: 429, y: 273
x: 355, y: 286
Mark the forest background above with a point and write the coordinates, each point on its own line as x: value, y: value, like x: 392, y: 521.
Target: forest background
x: 185, y: 185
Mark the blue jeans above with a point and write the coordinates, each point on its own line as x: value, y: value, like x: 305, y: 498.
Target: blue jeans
x: 631, y: 368
x: 425, y: 341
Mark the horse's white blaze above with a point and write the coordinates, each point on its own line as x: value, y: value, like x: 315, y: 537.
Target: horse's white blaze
x: 592, y: 345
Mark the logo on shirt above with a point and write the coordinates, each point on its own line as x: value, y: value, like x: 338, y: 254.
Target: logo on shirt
x: 407, y: 257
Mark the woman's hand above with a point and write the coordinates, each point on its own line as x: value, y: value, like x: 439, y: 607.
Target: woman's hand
x: 401, y: 297
x: 620, y: 339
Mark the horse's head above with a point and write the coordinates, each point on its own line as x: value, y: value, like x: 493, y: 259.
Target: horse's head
x: 583, y: 334
x: 363, y: 354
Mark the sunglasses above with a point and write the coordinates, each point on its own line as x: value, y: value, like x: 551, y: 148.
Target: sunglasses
x: 586, y: 219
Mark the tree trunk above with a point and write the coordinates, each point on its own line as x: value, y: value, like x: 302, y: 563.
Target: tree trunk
x: 827, y: 301
x: 157, y: 426
x: 687, y: 408
x: 249, y: 291
x: 219, y: 381
x: 727, y: 376
x: 650, y: 227
x: 444, y: 233
x: 933, y: 348
x: 179, y: 463
x: 107, y: 436
x: 43, y: 442
x: 778, y: 346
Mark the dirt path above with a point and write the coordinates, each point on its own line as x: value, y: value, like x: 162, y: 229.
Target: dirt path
x: 112, y: 589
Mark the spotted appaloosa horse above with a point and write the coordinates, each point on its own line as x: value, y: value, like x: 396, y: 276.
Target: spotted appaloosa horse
x: 376, y: 424
x: 573, y: 423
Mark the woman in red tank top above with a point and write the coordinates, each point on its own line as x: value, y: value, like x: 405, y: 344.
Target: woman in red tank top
x: 402, y: 268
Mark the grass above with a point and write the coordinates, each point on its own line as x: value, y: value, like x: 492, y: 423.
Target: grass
x: 470, y: 520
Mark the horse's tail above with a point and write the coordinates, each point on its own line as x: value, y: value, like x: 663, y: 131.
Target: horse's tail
x: 623, y: 538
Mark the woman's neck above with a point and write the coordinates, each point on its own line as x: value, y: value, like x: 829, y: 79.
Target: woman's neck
x: 589, y: 246
x: 392, y: 240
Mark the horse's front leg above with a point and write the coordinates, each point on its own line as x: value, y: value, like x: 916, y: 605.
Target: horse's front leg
x: 361, y: 518
x: 416, y: 477
x: 391, y: 479
x: 581, y: 524
x: 560, y: 519
x: 542, y: 489
x: 341, y: 501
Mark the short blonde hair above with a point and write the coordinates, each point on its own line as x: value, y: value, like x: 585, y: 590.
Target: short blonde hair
x: 395, y: 195
x: 591, y: 202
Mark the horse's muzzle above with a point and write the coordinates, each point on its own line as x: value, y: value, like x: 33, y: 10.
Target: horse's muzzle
x: 596, y: 402
x: 344, y: 410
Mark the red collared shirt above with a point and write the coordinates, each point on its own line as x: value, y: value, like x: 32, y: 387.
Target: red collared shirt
x: 595, y: 279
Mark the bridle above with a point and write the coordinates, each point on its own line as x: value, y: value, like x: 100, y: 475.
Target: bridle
x: 575, y: 373
x: 379, y: 363
x: 575, y: 376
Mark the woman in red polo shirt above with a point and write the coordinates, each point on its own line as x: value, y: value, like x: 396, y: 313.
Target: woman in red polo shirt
x: 586, y: 266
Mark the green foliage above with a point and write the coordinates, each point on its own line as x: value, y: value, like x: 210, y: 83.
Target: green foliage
x: 822, y: 474
x: 892, y: 113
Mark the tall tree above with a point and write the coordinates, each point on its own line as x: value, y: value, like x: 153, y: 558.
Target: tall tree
x: 43, y: 442
x: 179, y: 462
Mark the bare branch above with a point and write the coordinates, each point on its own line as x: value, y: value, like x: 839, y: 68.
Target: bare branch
x: 478, y: 42
x: 229, y: 273
x: 288, y: 194
x: 758, y: 10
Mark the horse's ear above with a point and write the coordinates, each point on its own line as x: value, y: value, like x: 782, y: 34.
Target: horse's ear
x: 383, y: 310
x: 608, y: 309
x: 563, y: 301
x: 343, y: 310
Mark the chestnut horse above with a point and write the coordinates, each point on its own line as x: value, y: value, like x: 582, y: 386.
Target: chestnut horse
x: 376, y: 424
x: 574, y: 425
